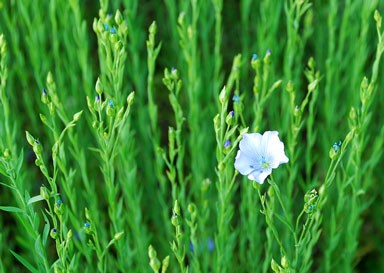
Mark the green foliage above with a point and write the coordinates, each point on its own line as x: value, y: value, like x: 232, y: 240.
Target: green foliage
x: 120, y: 122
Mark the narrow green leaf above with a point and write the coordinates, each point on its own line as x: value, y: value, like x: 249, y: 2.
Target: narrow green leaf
x: 35, y: 199
x: 24, y: 262
x: 11, y: 209
x: 20, y: 160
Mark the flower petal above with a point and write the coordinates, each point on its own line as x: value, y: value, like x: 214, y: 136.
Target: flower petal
x: 251, y: 145
x: 260, y: 175
x: 274, y: 149
x: 243, y: 163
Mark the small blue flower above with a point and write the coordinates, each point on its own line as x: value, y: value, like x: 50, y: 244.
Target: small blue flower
x: 106, y: 27
x: 254, y: 57
x: 232, y: 113
x: 111, y: 104
x: 87, y: 225
x: 44, y: 91
x: 227, y: 143
x: 59, y: 202
x: 97, y: 99
x: 236, y: 98
x: 259, y: 154
x: 113, y: 30
x: 269, y: 52
x: 54, y: 230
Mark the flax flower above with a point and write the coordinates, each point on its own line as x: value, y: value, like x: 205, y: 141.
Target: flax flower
x: 259, y: 154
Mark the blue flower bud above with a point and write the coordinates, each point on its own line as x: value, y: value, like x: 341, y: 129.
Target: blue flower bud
x: 227, y: 143
x: 53, y: 233
x: 87, y: 228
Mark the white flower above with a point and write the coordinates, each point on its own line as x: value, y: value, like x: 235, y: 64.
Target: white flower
x: 259, y: 154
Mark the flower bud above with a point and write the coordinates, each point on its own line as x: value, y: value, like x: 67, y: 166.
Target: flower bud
x: 99, y: 87
x: 175, y: 216
x: 155, y: 264
x: 99, y: 27
x: 118, y: 235
x: 43, y: 118
x: 350, y: 135
x: 44, y: 193
x: 165, y: 264
x: 153, y: 27
x: 180, y: 19
x: 255, y: 62
x: 229, y: 119
x: 227, y: 144
x: 311, y: 63
x: 37, y: 148
x: 297, y: 111
x: 284, y: 262
x: 267, y: 58
x: 312, y: 85
x: 50, y: 79
x: 334, y: 151
x: 87, y: 215
x: 118, y: 17
x: 87, y: 228
x: 276, y: 84
x: 77, y: 116
x: 206, y: 184
x: 44, y: 96
x: 124, y: 28
x: 94, y: 25
x: 151, y: 252
x: 53, y: 233
x: 30, y: 138
x: 58, y: 209
x: 110, y: 108
x: 131, y: 98
x: 6, y: 153
x: 289, y: 87
x: 352, y: 113
x: 216, y: 123
x: 275, y: 266
x: 69, y: 235
x: 223, y: 95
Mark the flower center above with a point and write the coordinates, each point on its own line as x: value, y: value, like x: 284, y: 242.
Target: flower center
x: 264, y: 163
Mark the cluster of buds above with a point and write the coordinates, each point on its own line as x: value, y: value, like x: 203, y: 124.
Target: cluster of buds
x: 310, y: 201
x: 111, y: 28
x: 155, y: 263
x: 37, y: 149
